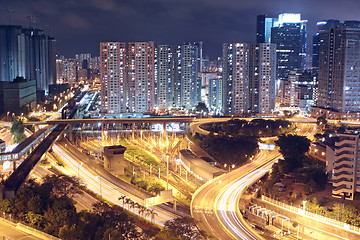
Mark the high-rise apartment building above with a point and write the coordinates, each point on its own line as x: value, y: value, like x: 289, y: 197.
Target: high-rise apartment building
x: 249, y: 73
x: 27, y: 53
x: 113, y: 77
x: 215, y: 93
x: 339, y: 67
x: 187, y: 84
x: 235, y: 77
x: 262, y: 77
x: 164, y: 76
x: 141, y: 82
x: 127, y: 77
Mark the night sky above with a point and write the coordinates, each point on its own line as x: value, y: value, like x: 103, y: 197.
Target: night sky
x: 79, y: 25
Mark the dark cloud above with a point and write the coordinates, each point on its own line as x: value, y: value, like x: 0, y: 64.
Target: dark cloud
x: 79, y: 25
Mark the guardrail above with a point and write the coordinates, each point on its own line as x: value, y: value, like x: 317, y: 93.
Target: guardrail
x: 26, y: 229
x: 312, y: 215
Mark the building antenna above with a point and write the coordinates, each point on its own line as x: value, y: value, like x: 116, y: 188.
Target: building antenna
x: 30, y: 18
x: 10, y: 11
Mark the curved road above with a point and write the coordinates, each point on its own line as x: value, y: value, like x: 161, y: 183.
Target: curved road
x: 215, y: 204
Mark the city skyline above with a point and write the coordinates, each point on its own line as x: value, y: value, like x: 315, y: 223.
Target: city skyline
x: 163, y: 22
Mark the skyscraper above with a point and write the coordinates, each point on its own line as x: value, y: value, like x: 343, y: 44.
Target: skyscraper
x: 27, y: 53
x: 263, y: 29
x: 262, y: 77
x: 249, y: 74
x: 235, y: 77
x: 289, y: 35
x: 187, y: 84
x: 127, y: 77
x: 164, y: 76
x: 113, y: 77
x: 141, y: 82
x: 339, y: 67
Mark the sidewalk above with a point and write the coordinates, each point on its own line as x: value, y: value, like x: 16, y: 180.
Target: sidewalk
x: 9, y: 231
x: 312, y: 227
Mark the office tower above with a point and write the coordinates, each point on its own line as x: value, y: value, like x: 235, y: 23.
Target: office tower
x: 235, y: 78
x: 263, y: 29
x: 316, y: 45
x: 262, y: 77
x: 339, y: 67
x: 27, y: 53
x: 113, y: 77
x: 300, y: 90
x: 164, y: 76
x: 289, y: 35
x: 249, y: 74
x: 187, y: 84
x: 17, y: 96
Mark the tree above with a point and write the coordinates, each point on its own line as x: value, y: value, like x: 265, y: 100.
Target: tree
x: 156, y: 188
x: 201, y: 107
x: 122, y: 198
x: 293, y: 148
x: 184, y: 227
x: 321, y: 121
x: 142, y: 210
x: 17, y: 130
x: 151, y: 213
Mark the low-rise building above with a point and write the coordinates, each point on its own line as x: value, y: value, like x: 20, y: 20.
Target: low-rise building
x: 346, y: 165
x: 18, y: 96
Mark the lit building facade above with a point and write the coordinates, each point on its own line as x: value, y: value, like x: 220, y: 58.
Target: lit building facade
x: 127, y: 77
x: 235, y: 78
x: 346, y: 166
x: 262, y: 77
x: 187, y: 84
x: 289, y: 34
x: 27, y: 53
x: 164, y: 76
x: 249, y: 76
x: 113, y: 77
x: 339, y: 67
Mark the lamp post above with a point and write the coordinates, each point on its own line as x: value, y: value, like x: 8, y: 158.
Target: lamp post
x: 167, y: 171
x: 79, y: 168
x: 304, y: 203
x: 99, y: 178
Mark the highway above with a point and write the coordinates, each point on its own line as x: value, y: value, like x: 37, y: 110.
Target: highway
x: 215, y: 204
x: 104, y: 184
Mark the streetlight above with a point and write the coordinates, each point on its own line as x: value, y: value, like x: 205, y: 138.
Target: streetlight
x: 79, y: 168
x: 99, y: 178
x: 167, y: 171
x: 304, y: 203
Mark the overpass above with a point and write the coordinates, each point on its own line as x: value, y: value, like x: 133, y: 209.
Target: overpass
x: 16, y: 179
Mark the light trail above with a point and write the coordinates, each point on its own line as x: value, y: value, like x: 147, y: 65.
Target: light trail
x: 222, y: 196
x: 102, y: 186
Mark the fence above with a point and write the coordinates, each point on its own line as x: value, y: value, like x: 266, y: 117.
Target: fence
x: 315, y: 216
